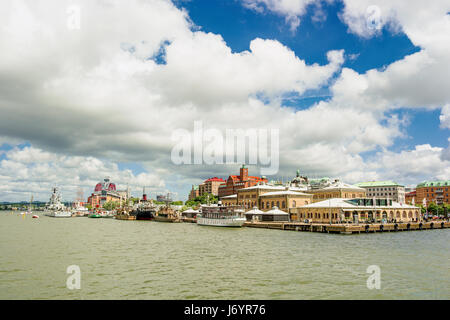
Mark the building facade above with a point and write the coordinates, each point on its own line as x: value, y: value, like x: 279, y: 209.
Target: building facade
x: 433, y: 191
x: 384, y: 189
x: 265, y: 197
x: 211, y: 186
x: 284, y: 200
x: 229, y: 201
x: 337, y: 189
x: 104, y: 192
x: 359, y: 210
x: 243, y: 180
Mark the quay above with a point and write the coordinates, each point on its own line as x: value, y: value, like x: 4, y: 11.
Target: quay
x: 350, y: 228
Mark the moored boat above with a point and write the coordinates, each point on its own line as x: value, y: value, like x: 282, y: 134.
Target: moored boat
x: 167, y: 213
x: 144, y: 210
x: 220, y: 216
x: 55, y: 208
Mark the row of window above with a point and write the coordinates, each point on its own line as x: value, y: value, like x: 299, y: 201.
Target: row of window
x: 382, y: 189
x: 319, y: 215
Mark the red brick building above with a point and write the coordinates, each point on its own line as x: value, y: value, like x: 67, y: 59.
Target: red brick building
x: 433, y: 191
x: 410, y: 197
x: 243, y: 180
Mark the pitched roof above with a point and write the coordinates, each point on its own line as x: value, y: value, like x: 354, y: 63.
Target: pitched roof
x: 276, y: 211
x: 229, y: 197
x: 254, y: 210
x: 215, y: 179
x: 440, y: 183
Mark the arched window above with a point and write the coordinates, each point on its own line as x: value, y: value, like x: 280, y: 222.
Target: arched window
x: 262, y: 205
x: 278, y: 204
x: 294, y: 204
x: 283, y: 204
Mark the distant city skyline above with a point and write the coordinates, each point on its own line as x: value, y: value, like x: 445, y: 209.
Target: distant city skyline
x: 358, y: 90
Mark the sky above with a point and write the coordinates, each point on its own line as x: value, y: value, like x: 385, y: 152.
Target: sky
x: 356, y: 89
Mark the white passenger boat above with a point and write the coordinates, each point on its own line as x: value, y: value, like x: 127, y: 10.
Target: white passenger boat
x: 220, y: 216
x: 55, y: 208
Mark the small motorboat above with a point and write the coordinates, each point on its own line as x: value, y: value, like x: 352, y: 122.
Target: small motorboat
x: 35, y: 216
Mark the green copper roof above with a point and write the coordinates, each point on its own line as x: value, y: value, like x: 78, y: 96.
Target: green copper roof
x: 377, y: 184
x: 441, y: 183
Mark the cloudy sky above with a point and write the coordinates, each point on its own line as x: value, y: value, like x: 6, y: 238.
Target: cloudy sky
x: 358, y: 89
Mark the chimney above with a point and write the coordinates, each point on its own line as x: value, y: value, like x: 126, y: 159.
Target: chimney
x: 144, y: 196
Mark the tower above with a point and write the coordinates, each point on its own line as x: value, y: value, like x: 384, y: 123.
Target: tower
x: 243, y: 172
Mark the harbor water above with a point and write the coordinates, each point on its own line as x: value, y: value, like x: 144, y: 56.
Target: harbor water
x: 151, y: 260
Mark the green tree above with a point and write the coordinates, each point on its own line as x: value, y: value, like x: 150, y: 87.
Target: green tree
x: 433, y: 208
x: 110, y: 205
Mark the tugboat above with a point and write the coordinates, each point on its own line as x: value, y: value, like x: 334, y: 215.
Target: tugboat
x: 167, y: 214
x: 55, y: 208
x: 145, y: 210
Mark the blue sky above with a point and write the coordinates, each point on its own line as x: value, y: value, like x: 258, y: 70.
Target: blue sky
x: 239, y: 25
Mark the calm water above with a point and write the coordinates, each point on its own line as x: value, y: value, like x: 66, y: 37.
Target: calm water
x: 150, y: 260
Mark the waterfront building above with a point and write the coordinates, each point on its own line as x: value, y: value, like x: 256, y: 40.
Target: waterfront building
x: 250, y: 196
x: 106, y: 191
x: 433, y: 191
x: 243, y: 180
x: 254, y: 214
x: 194, y: 193
x: 337, y: 210
x: 275, y: 214
x: 285, y: 199
x: 211, y: 186
x: 230, y: 200
x: 384, y: 189
x: 337, y: 189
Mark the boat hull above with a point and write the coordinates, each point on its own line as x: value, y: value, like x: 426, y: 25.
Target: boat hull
x: 166, y: 219
x: 61, y: 214
x: 145, y: 215
x: 227, y: 222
